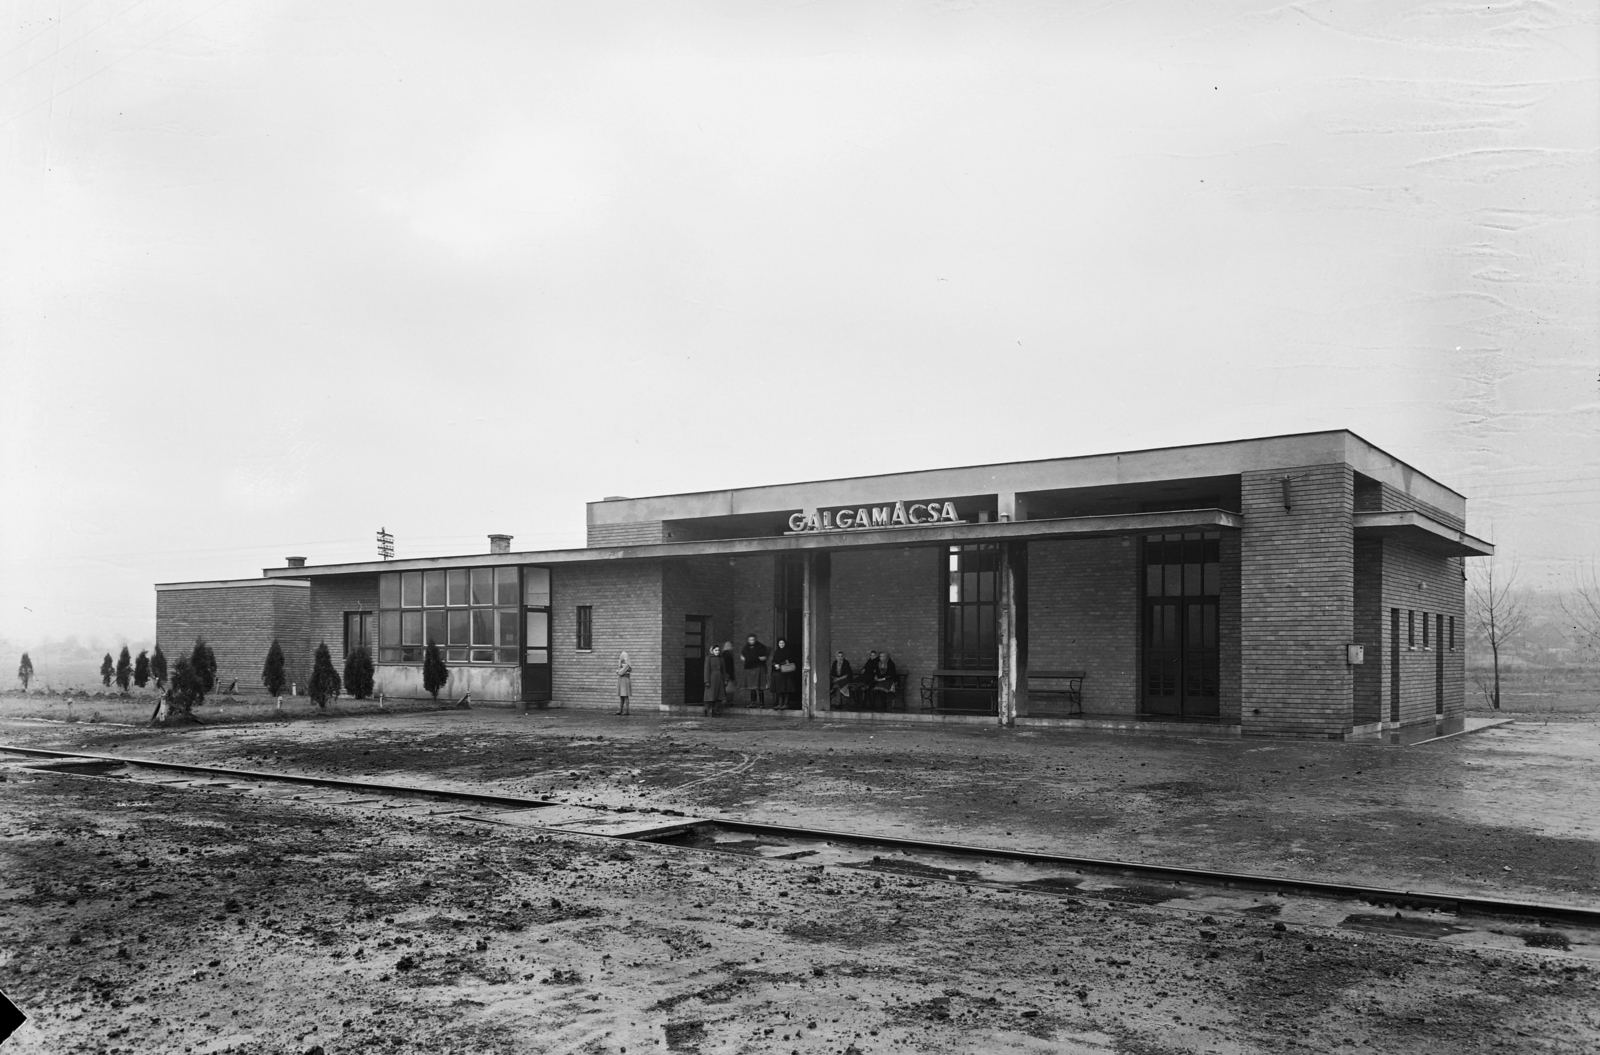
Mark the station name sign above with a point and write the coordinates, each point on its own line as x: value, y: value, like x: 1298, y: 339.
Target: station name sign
x: 867, y: 517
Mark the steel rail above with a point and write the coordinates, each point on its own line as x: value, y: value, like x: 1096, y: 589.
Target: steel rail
x: 1460, y: 904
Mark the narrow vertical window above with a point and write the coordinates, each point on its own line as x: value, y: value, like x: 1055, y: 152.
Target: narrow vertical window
x: 1424, y: 631
x: 585, y: 636
x: 1452, y: 633
x: 1411, y: 628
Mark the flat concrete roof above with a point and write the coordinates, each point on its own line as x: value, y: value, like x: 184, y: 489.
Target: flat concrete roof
x: 231, y: 584
x: 877, y: 538
x: 1229, y: 458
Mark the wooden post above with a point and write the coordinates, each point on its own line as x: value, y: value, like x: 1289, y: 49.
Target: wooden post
x: 1013, y: 660
x: 816, y: 645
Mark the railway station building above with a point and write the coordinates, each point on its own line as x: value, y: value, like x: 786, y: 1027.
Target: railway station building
x: 1290, y: 586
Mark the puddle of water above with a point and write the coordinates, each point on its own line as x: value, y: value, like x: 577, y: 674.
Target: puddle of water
x: 1409, y: 926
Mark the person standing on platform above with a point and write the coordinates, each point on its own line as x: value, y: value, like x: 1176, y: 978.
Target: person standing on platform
x: 785, y: 676
x: 716, y: 684
x: 624, y: 682
x: 730, y: 674
x: 754, y: 676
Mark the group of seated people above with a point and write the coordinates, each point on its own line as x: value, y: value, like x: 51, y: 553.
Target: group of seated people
x: 871, y: 688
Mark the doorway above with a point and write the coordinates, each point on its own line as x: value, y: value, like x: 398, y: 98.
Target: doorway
x: 696, y: 629
x: 1182, y: 654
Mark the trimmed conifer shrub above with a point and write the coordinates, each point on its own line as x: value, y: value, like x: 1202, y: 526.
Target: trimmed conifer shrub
x: 434, y: 673
x: 188, y: 690
x: 358, y: 673
x: 204, y: 662
x: 124, y: 669
x: 272, y: 672
x: 158, y: 666
x: 108, y: 670
x: 141, y: 669
x: 324, y: 684
x: 25, y: 671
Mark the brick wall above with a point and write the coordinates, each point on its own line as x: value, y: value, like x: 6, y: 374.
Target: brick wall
x: 1441, y: 592
x: 627, y: 600
x: 1369, y: 622
x: 331, y: 597
x: 1083, y: 614
x: 644, y: 534
x: 695, y: 586
x: 754, y: 586
x: 889, y: 599
x: 1228, y: 632
x: 1296, y: 592
x: 239, y: 623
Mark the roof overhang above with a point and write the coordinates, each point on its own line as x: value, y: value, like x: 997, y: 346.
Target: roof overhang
x: 875, y: 538
x: 230, y: 584
x: 1422, y: 532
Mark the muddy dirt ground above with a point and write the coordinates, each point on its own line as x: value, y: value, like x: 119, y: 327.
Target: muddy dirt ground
x: 138, y: 918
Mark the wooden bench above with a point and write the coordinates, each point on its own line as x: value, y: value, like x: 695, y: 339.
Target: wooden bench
x: 861, y: 692
x: 1058, y: 684
x: 962, y: 691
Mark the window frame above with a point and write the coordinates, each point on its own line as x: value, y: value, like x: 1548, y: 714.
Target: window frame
x: 583, y: 631
x: 449, y: 613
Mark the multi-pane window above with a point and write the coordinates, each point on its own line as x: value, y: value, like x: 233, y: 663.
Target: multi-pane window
x: 1424, y: 631
x: 474, y: 614
x: 1182, y: 653
x: 536, y: 599
x: 358, y: 631
x: 1411, y: 628
x: 585, y: 630
x: 972, y: 611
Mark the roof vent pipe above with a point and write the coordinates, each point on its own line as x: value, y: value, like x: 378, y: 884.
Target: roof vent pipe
x: 499, y: 543
x: 296, y: 562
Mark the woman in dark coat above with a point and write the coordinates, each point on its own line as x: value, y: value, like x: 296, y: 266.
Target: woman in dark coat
x: 839, y: 678
x: 716, y: 690
x: 786, y: 683
x: 884, y: 681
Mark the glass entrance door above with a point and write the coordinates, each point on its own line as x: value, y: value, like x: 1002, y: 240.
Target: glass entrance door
x: 536, y: 679
x: 1182, y: 656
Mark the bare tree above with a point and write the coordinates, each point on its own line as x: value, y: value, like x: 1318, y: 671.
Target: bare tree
x: 1582, y: 607
x: 1499, y: 614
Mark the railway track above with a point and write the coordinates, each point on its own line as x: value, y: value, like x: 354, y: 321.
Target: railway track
x: 1456, y: 918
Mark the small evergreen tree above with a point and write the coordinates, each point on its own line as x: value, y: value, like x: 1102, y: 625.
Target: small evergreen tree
x: 204, y: 662
x: 324, y: 683
x: 158, y: 666
x: 25, y: 671
x: 108, y: 670
x: 124, y: 669
x: 188, y: 689
x: 272, y: 673
x: 141, y: 669
x: 434, y: 673
x: 358, y: 673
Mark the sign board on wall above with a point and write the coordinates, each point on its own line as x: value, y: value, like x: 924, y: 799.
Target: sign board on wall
x: 899, y: 514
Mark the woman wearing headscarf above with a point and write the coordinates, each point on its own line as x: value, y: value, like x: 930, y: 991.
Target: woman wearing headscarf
x: 624, y: 682
x: 840, y: 677
x: 730, y: 679
x: 716, y: 682
x: 884, y: 681
x: 785, y: 683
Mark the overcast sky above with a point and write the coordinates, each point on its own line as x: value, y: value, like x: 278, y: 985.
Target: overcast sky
x: 273, y: 275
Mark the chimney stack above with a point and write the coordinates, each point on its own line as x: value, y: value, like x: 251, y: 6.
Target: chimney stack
x: 499, y: 543
x: 296, y: 562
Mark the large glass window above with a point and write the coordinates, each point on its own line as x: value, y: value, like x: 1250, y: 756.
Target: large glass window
x: 473, y: 614
x: 972, y: 611
x: 1182, y: 653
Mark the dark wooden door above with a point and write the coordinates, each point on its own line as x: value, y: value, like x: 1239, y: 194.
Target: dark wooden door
x: 695, y: 630
x: 1182, y: 651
